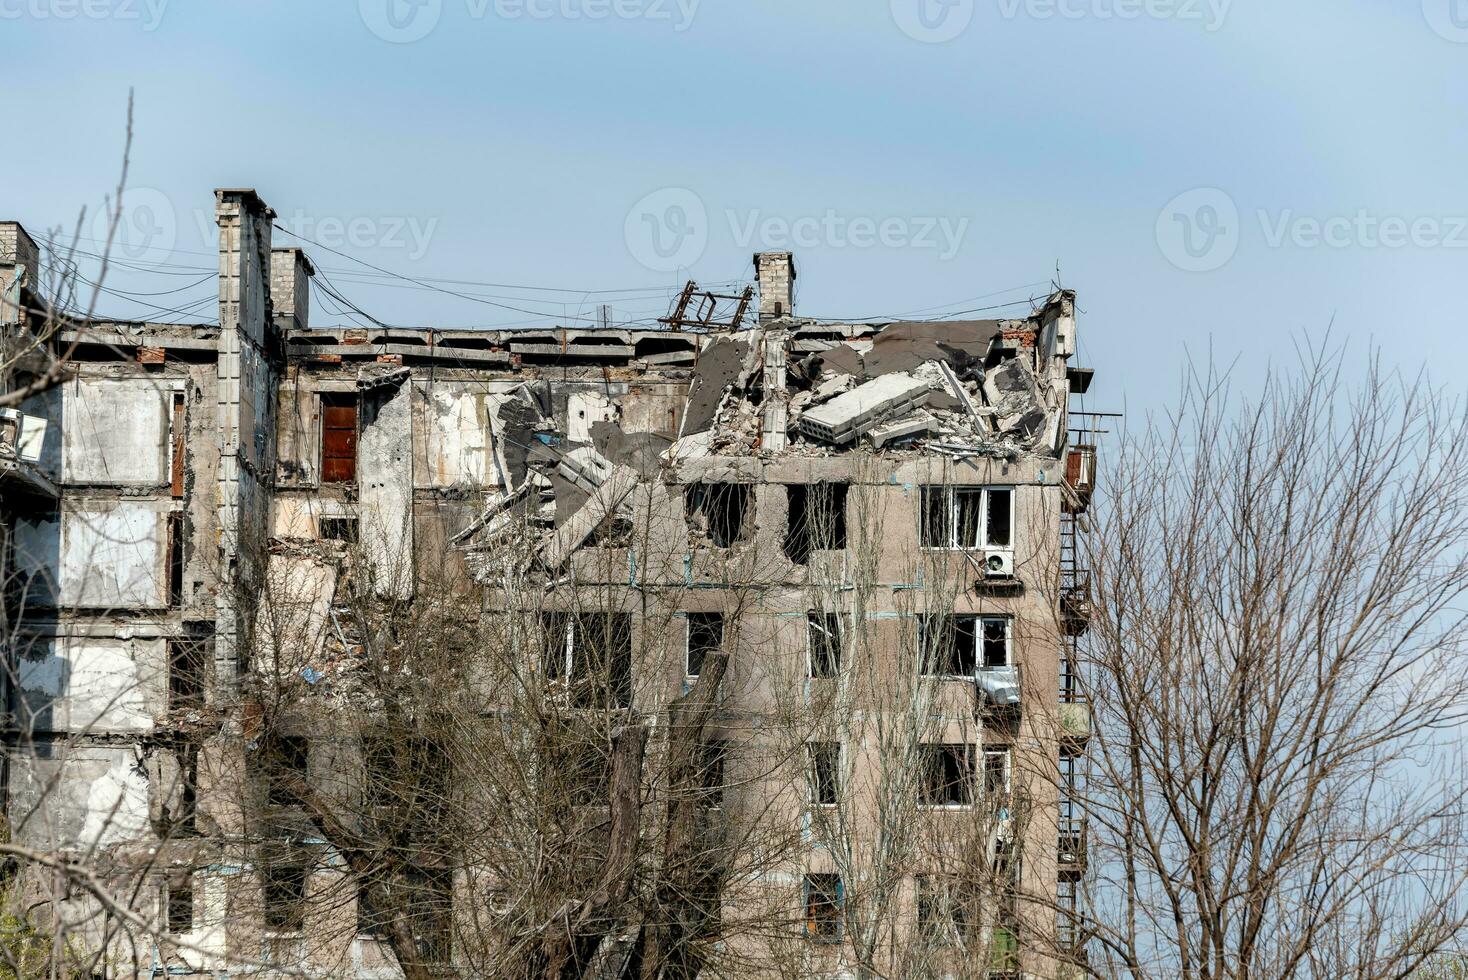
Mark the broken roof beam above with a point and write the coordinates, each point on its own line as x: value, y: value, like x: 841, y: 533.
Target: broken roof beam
x: 606, y: 502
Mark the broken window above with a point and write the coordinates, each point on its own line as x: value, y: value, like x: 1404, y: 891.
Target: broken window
x: 817, y: 519
x: 429, y: 902
x: 285, y: 761
x: 947, y: 775
x: 823, y: 632
x: 180, y: 907
x: 187, y: 660
x: 285, y: 897
x: 175, y: 558
x: 371, y: 922
x: 339, y: 437
x: 705, y: 636
x: 823, y: 898
x: 966, y: 518
x: 996, y: 775
x: 960, y: 645
x: 825, y: 773
x: 614, y: 532
x: 591, y: 655
x: 339, y: 529
x: 718, y: 512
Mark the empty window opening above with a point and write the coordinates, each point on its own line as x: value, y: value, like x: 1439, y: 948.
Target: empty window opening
x: 188, y: 657
x: 405, y: 774
x: 338, y: 438
x: 960, y: 645
x: 371, y: 923
x: 339, y: 529
x: 817, y: 519
x: 823, y: 632
x: 285, y: 897
x: 590, y: 654
x: 967, y: 518
x: 718, y: 512
x: 180, y: 907
x: 825, y: 773
x: 947, y: 775
x: 711, y: 772
x: 285, y: 762
x: 996, y: 775
x: 179, y: 446
x: 823, y: 899
x: 175, y: 558
x: 705, y: 636
x: 614, y: 532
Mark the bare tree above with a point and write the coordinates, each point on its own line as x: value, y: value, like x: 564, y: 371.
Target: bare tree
x: 1276, y: 670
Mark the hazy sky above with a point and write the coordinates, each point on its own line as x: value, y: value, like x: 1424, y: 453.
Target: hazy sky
x: 1201, y: 171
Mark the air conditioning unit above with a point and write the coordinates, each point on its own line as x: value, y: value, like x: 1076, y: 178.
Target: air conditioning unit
x: 21, y: 435
x: 998, y: 563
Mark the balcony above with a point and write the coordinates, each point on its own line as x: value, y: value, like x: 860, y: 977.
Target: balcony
x: 1075, y: 721
x: 1072, y: 848
x: 1080, y: 477
x: 1075, y: 602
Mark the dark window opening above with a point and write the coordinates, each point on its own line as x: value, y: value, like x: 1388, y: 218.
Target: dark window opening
x: 718, y: 512
x: 285, y: 761
x: 996, y: 775
x: 825, y: 773
x: 338, y: 438
x: 996, y: 643
x: 285, y: 897
x: 816, y: 521
x: 711, y: 772
x: 179, y: 451
x: 824, y: 633
x: 370, y: 922
x: 184, y: 821
x: 947, y: 775
x: 188, y: 659
x: 705, y: 636
x: 180, y: 908
x: 175, y: 558
x: 406, y: 774
x: 339, y: 529
x: 966, y: 518
x: 823, y: 897
x: 591, y: 654
x: 958, y: 645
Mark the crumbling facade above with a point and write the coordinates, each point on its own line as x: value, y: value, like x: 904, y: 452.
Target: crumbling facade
x: 190, y: 506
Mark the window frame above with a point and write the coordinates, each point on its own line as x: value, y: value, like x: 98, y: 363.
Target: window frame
x: 1007, y: 753
x: 811, y: 618
x: 940, y: 751
x: 688, y: 672
x: 812, y: 782
x: 949, y: 624
x: 619, y: 686
x: 837, y: 904
x: 950, y: 496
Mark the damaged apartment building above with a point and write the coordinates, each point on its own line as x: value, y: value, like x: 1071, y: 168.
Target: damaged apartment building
x: 175, y: 471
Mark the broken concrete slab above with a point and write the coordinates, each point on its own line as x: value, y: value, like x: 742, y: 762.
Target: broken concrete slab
x: 845, y: 417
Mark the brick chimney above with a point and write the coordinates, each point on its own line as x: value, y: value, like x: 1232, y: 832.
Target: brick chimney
x: 776, y: 274
x: 290, y: 288
x: 19, y: 257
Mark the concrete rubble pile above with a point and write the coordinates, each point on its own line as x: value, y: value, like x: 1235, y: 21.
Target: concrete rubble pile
x: 960, y: 388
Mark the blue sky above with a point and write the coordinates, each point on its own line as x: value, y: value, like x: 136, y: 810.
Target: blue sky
x: 1231, y: 173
